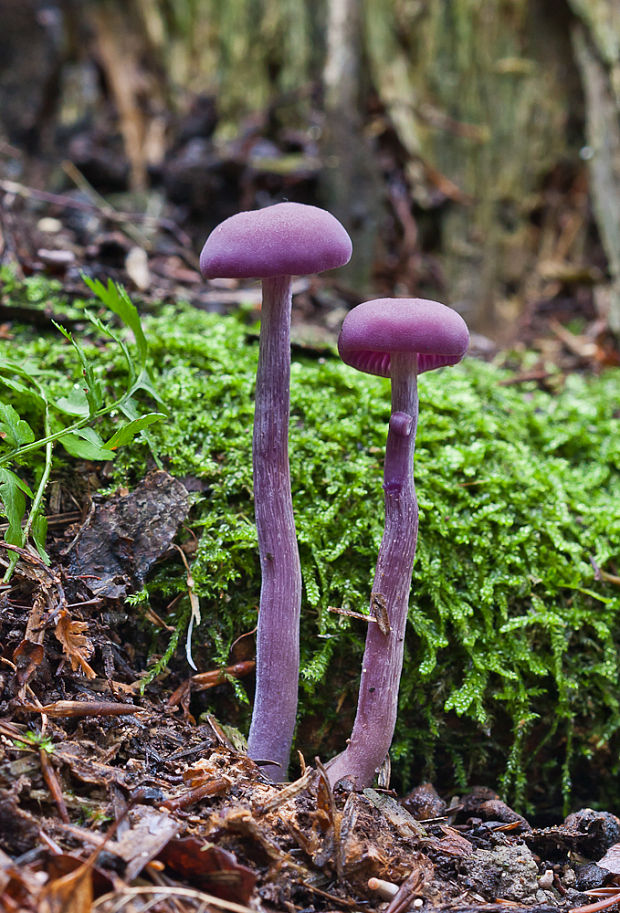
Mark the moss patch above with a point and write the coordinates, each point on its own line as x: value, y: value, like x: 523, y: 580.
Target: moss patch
x: 511, y: 666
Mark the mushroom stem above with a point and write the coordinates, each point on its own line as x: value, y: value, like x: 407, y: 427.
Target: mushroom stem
x: 277, y: 638
x: 383, y: 655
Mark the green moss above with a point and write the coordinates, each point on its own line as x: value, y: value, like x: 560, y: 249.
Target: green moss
x: 511, y: 665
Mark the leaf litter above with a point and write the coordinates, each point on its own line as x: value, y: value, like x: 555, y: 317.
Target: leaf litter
x: 112, y: 799
x: 110, y: 802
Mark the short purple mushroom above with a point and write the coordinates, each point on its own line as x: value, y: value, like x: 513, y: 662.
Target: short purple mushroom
x: 274, y: 244
x: 397, y: 338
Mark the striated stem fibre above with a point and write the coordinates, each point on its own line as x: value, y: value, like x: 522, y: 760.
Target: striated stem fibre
x: 277, y: 638
x: 377, y: 707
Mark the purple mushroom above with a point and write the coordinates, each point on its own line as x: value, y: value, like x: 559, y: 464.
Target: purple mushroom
x: 274, y: 244
x: 397, y: 338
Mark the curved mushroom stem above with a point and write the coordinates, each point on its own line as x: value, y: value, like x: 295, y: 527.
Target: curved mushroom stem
x: 383, y: 655
x: 277, y: 638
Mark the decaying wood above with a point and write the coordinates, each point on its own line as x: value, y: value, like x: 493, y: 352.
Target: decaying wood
x: 601, y: 84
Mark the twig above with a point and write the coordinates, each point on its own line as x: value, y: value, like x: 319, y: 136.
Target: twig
x: 103, y: 208
x: 52, y: 520
x: 214, y: 787
x: 27, y: 555
x: 86, y: 187
x: 327, y: 895
x: 599, y: 905
x: 600, y: 574
x: 79, y: 709
x: 350, y: 614
x: 204, y: 680
x: 406, y: 893
x: 49, y: 775
x: 536, y: 374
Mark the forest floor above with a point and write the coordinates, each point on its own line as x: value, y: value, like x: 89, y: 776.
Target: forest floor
x: 111, y: 800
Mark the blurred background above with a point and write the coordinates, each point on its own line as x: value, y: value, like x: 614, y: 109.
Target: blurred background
x: 470, y: 147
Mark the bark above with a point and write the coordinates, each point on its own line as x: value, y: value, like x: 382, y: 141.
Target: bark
x: 349, y: 176
x: 136, y: 80
x: 479, y: 94
x: 597, y: 49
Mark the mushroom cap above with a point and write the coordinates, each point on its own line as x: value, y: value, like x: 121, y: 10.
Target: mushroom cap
x: 374, y: 329
x: 287, y: 239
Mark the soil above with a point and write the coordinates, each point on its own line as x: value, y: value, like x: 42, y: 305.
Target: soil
x: 111, y: 800
x: 128, y: 801
x: 115, y: 800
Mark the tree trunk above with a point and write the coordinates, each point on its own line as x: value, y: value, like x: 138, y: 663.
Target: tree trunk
x: 597, y: 49
x: 479, y: 93
x: 349, y: 177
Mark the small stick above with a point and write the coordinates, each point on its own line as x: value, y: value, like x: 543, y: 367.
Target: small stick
x: 214, y: 787
x: 600, y: 905
x: 203, y: 680
x: 406, y: 893
x: 350, y: 614
x: 78, y: 709
x: 51, y: 779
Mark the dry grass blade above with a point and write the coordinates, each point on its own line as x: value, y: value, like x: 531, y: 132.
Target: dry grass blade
x: 164, y: 891
x: 289, y: 792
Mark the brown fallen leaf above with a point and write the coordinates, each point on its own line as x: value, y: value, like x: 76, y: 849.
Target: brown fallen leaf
x: 611, y: 859
x: 72, y: 893
x: 453, y: 843
x: 149, y: 833
x: 126, y: 533
x: 209, y: 868
x: 77, y: 647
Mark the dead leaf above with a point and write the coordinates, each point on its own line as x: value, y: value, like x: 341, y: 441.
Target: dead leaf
x: 453, y: 843
x: 149, y: 833
x: 126, y: 533
x: 77, y: 647
x: 210, y: 868
x: 72, y: 893
x: 30, y: 652
x: 611, y: 859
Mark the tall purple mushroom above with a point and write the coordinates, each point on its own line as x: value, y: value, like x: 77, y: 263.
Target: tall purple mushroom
x: 397, y: 338
x: 274, y: 244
